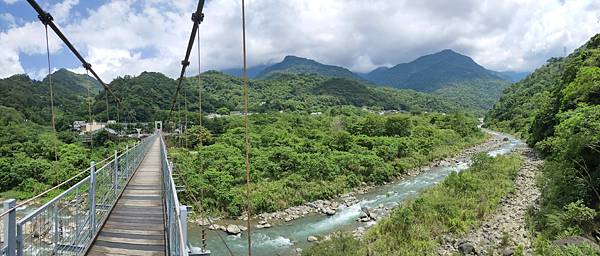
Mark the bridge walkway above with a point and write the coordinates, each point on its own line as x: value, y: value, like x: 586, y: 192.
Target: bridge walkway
x: 136, y: 225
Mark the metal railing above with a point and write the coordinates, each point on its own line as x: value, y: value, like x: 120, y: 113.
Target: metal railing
x: 176, y: 214
x: 67, y: 224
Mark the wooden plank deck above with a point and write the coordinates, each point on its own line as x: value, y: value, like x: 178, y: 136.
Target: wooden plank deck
x: 136, y: 224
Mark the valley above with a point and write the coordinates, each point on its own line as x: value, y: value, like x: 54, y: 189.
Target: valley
x: 388, y: 136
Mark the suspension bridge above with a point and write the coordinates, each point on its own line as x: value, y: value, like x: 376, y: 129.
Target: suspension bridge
x: 126, y: 204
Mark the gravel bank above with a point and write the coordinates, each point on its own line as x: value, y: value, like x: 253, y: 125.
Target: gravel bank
x: 506, y: 228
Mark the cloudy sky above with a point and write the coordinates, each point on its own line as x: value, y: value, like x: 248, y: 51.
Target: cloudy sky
x: 127, y: 36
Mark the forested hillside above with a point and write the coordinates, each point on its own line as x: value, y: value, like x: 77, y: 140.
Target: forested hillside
x: 297, y: 158
x: 148, y: 96
x: 32, y: 98
x: 298, y: 65
x: 447, y: 74
x: 431, y: 72
x: 557, y: 109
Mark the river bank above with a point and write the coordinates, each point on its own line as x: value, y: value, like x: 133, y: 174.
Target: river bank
x: 330, y: 207
x: 505, y: 231
x: 284, y: 238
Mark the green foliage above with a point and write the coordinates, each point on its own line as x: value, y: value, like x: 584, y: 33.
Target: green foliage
x: 33, y: 159
x: 341, y: 244
x: 454, y: 206
x: 543, y: 246
x: 557, y: 109
x: 32, y: 98
x: 298, y: 158
x: 585, y: 88
x: 144, y: 97
x: 195, y: 136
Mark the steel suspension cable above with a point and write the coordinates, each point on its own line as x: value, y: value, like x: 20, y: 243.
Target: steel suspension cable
x: 185, y: 117
x: 89, y: 100
x: 48, y: 20
x: 197, y: 17
x: 202, y: 213
x: 107, y: 109
x: 246, y: 132
x: 51, y: 94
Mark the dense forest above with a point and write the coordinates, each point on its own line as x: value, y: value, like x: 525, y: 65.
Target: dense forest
x: 557, y: 110
x: 317, y: 136
x: 31, y: 98
x: 297, y: 158
x: 148, y: 96
x: 33, y: 158
x: 447, y: 74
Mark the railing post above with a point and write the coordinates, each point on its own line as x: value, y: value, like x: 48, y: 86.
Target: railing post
x: 10, y: 227
x: 116, y: 173
x: 183, y: 211
x: 92, y: 199
x: 127, y: 158
x: 20, y: 244
x: 55, y: 227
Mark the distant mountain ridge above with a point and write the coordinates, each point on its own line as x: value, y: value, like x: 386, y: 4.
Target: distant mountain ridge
x: 431, y: 72
x: 298, y: 65
x: 448, y: 74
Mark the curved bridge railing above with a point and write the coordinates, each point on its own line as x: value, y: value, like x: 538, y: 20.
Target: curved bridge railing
x: 176, y: 214
x: 67, y: 224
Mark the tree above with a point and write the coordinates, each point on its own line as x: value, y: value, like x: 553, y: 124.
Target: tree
x: 398, y: 125
x: 196, y: 136
x: 223, y: 111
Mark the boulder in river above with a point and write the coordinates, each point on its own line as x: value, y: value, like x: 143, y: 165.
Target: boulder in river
x: 233, y: 229
x: 312, y: 239
x: 466, y: 248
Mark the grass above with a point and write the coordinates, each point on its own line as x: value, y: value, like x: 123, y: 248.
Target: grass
x: 455, y: 206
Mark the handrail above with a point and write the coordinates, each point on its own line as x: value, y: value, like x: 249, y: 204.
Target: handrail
x: 26, y: 202
x: 68, y: 223
x: 177, y: 240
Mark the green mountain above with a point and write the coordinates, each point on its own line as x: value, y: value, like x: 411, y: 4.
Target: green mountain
x: 297, y: 65
x: 431, y: 72
x: 32, y: 98
x: 448, y: 74
x: 148, y: 96
x: 557, y: 109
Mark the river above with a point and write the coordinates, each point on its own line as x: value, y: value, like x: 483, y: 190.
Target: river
x: 284, y: 238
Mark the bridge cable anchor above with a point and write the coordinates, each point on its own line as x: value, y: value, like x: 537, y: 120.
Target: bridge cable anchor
x: 197, y: 18
x: 45, y: 18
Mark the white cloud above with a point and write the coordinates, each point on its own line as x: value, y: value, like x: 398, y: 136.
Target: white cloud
x: 127, y: 37
x: 10, y: 1
x: 8, y: 19
x: 61, y: 11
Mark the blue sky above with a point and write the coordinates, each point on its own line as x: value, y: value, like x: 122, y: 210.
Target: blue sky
x: 22, y: 13
x: 126, y: 37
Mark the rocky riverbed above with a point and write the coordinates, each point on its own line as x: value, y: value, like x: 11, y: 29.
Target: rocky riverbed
x: 506, y: 229
x: 371, y: 216
x: 330, y: 207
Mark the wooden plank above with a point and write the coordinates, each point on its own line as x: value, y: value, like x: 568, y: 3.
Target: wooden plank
x: 136, y: 224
